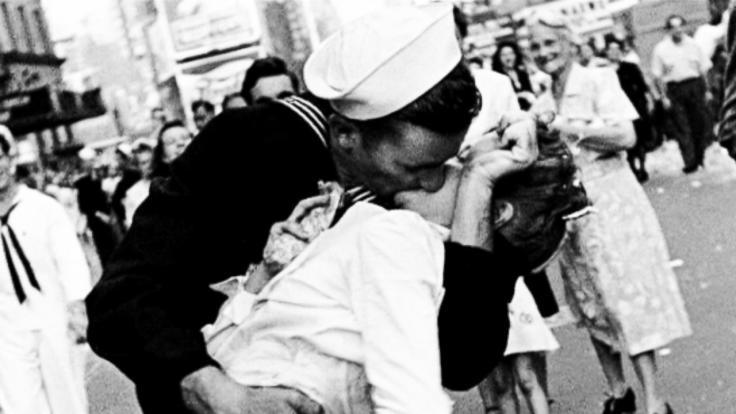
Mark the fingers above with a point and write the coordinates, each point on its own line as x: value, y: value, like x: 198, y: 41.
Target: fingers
x: 521, y: 139
x: 284, y: 401
x: 303, y: 404
x: 307, y: 205
x: 289, y: 228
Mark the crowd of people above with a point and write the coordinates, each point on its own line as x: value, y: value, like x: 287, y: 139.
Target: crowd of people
x: 323, y: 248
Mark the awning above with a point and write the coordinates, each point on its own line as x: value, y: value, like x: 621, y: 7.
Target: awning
x: 43, y: 108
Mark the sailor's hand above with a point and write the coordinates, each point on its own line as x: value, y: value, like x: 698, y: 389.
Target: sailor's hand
x: 210, y: 391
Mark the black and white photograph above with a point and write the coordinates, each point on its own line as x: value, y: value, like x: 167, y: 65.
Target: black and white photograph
x: 367, y: 206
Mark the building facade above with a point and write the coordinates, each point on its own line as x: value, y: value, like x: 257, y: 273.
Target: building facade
x: 33, y: 101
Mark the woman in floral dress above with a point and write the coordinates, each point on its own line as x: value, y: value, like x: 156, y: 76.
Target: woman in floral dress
x: 615, y: 262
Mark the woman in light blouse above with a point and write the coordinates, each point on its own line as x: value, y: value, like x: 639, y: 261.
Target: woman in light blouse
x: 614, y: 263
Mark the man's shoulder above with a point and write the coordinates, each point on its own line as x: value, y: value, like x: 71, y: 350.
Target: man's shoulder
x: 662, y: 46
x: 37, y: 200
x: 691, y: 43
x: 395, y: 226
x: 492, y: 79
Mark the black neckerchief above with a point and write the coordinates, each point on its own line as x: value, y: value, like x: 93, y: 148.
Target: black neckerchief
x: 14, y: 276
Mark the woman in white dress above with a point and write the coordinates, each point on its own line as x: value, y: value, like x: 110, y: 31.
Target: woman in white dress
x: 615, y: 263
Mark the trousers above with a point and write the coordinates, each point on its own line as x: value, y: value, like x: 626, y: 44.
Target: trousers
x: 692, y: 123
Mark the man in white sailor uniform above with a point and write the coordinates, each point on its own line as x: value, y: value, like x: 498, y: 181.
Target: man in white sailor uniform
x: 393, y: 103
x: 43, y: 278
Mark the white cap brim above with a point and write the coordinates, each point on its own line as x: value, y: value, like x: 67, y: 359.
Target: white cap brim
x: 384, y: 61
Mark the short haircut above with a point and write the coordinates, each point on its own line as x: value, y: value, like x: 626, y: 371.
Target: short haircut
x: 461, y: 21
x: 201, y: 103
x: 264, y: 68
x: 449, y: 107
x: 668, y: 22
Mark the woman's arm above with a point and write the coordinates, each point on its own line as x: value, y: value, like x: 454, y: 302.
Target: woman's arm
x: 602, y: 137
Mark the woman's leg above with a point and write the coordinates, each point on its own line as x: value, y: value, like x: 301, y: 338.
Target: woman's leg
x: 529, y: 382
x: 612, y: 367
x: 498, y: 390
x: 645, y: 366
x: 539, y: 361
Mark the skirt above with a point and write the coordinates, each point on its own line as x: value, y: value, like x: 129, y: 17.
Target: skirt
x: 615, y: 267
x: 528, y: 332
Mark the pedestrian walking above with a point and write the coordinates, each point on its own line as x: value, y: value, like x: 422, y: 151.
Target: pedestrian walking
x: 615, y: 261
x: 94, y: 205
x: 143, y: 151
x: 680, y: 69
x: 636, y: 89
x: 43, y: 279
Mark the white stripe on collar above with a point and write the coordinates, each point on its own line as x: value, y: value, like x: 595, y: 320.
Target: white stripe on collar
x: 310, y: 114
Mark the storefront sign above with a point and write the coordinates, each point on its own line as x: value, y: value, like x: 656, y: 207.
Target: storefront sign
x: 25, y: 105
x: 200, y: 27
x: 585, y: 15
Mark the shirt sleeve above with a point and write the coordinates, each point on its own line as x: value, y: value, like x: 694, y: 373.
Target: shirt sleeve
x: 704, y: 61
x: 611, y: 102
x: 478, y: 285
x: 396, y: 302
x: 67, y: 253
x: 657, y: 63
x: 511, y: 102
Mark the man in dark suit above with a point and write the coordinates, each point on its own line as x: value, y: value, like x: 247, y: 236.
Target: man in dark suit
x: 249, y: 167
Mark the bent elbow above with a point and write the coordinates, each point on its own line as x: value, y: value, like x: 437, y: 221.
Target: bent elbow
x: 628, y: 136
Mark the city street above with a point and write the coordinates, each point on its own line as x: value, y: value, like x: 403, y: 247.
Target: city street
x: 699, y: 373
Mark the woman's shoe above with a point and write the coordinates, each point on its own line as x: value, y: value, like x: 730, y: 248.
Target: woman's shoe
x: 625, y: 404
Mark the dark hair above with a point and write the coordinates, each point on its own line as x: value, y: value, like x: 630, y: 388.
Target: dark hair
x: 5, y: 144
x: 448, y: 107
x: 614, y: 41
x: 475, y: 60
x: 668, y: 22
x: 263, y: 68
x: 201, y: 103
x: 158, y: 152
x: 461, y: 21
x: 496, y: 64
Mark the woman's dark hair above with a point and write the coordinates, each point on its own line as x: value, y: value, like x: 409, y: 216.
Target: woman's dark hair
x: 447, y: 108
x: 496, y: 64
x: 263, y: 68
x: 201, y: 103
